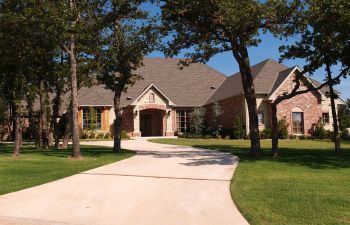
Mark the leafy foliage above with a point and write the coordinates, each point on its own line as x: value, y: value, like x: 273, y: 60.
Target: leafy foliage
x: 266, y: 133
x: 197, y: 121
x: 344, y: 115
x: 238, y: 128
x: 216, y: 127
x: 317, y: 130
x: 282, y: 128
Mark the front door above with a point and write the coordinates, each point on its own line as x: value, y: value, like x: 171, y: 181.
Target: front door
x: 145, y: 125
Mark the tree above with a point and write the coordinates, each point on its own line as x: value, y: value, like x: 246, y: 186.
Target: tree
x: 344, y: 115
x: 324, y: 43
x: 197, y: 121
x: 92, y: 117
x: 3, y: 110
x: 211, y: 27
x: 130, y: 35
x: 75, y: 27
x: 216, y: 112
x: 20, y: 48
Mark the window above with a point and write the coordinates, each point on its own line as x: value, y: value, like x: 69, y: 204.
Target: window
x: 298, y: 122
x: 182, y: 121
x: 92, y: 118
x: 151, y: 98
x: 325, y: 118
x: 261, y: 117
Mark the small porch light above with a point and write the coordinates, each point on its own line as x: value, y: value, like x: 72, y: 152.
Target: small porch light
x: 136, y: 112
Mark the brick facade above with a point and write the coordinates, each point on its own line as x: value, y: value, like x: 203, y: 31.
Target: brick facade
x: 128, y: 120
x: 231, y: 107
x: 309, y: 104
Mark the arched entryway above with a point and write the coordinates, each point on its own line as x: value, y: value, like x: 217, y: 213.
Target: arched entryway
x: 152, y: 122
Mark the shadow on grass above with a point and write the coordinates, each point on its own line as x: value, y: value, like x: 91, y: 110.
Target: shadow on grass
x: 88, y: 151
x: 310, y: 157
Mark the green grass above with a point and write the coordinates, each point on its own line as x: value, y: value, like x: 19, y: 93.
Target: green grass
x: 307, y: 184
x: 37, y: 166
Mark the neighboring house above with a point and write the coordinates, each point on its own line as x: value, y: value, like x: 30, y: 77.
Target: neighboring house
x: 159, y: 105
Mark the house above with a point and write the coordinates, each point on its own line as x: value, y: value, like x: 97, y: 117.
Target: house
x: 159, y: 105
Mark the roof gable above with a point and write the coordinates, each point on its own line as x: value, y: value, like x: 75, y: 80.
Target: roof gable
x: 152, y: 86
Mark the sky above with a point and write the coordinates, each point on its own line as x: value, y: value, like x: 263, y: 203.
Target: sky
x: 226, y: 64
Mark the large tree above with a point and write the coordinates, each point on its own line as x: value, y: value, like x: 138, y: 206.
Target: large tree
x: 75, y: 26
x: 23, y: 55
x: 209, y: 27
x: 324, y: 43
x: 130, y: 34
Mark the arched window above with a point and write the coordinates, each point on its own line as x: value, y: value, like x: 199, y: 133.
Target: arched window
x: 151, y: 98
x: 297, y: 121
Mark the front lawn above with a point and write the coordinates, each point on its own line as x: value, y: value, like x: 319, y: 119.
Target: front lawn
x: 38, y: 166
x: 307, y: 184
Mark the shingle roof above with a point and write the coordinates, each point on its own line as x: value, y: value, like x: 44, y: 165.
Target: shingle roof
x: 265, y: 75
x: 190, y: 86
x: 324, y: 90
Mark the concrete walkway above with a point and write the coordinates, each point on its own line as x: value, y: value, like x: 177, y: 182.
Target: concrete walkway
x: 161, y: 185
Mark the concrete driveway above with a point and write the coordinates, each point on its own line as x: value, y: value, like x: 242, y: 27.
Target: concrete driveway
x: 161, y: 185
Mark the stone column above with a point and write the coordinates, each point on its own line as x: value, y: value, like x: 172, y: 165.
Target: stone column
x: 136, y: 114
x: 169, y: 123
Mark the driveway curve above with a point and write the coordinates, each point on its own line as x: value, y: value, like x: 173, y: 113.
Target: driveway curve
x: 161, y: 185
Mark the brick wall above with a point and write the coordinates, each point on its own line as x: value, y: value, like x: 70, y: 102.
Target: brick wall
x: 128, y: 120
x: 231, y: 108
x: 309, y: 103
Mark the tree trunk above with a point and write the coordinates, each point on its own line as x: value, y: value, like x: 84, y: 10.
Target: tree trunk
x: 67, y: 131
x: 74, y: 100
x: 117, y: 123
x: 336, y: 135
x: 40, y: 135
x: 274, y: 122
x: 51, y: 133
x: 18, y: 134
x: 241, y: 55
x: 56, y: 113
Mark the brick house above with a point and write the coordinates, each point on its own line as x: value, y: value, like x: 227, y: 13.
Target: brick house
x: 159, y: 105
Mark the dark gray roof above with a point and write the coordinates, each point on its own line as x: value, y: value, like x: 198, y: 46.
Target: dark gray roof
x: 265, y: 75
x: 324, y: 90
x: 190, y: 86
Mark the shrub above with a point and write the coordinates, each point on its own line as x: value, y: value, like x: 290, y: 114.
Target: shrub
x: 238, y: 129
x: 292, y: 136
x: 303, y: 137
x: 216, y: 126
x: 317, y: 130
x: 124, y: 135
x: 197, y: 121
x: 266, y: 133
x: 107, y: 136
x: 83, y: 134
x: 282, y: 127
x: 100, y: 135
x: 328, y: 134
x: 345, y: 134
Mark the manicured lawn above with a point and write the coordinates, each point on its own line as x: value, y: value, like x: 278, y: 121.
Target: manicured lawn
x: 307, y: 184
x: 36, y: 167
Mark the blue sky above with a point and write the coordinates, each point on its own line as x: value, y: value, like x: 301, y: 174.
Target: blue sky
x: 226, y: 64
